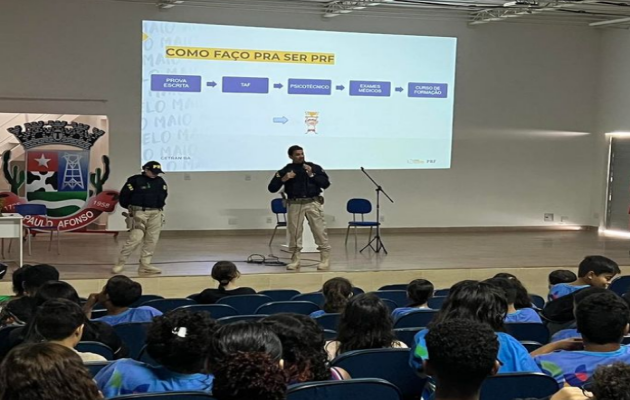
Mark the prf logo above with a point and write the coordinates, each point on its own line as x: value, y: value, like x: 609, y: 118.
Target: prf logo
x: 58, y: 179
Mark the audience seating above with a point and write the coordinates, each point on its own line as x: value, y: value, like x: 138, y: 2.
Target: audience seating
x: 390, y: 304
x: 4, y: 338
x: 530, y: 345
x: 441, y: 292
x: 95, y: 366
x: 524, y: 331
x: 621, y: 285
x: 279, y: 307
x: 280, y: 211
x: 397, y: 286
x: 518, y: 386
x: 330, y: 334
x: 247, y: 303
x: 145, y: 357
x: 98, y: 313
x: 133, y: 335
x: 280, y: 294
x: 435, y: 303
x: 407, y: 335
x: 216, y: 311
x: 625, y: 340
x: 315, y: 297
x: 144, y: 298
x: 357, y: 291
x: 237, y: 318
x: 397, y: 296
x: 166, y: 305
x: 96, y: 348
x: 328, y: 321
x: 391, y: 365
x: 193, y: 296
x: 415, y: 319
x: 353, y: 389
x: 167, y: 396
x: 537, y: 301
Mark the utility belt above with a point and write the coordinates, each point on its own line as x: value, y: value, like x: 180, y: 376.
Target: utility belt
x: 140, y: 208
x: 306, y: 200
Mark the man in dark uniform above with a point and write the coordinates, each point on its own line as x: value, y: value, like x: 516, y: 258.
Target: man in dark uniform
x: 144, y: 195
x: 303, y: 183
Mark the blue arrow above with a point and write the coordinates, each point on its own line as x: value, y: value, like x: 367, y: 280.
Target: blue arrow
x: 280, y: 120
x: 211, y: 84
x: 340, y: 87
x: 399, y: 89
x: 277, y: 86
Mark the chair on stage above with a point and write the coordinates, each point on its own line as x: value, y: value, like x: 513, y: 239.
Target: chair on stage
x: 359, y: 207
x: 37, y: 210
x: 278, y: 208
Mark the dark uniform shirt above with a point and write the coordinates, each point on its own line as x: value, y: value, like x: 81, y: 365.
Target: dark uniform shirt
x: 301, y: 186
x: 145, y: 192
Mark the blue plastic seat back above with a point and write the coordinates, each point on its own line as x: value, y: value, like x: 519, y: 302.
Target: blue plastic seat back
x: 166, y: 305
x: 280, y: 294
x: 528, y: 331
x: 518, y: 386
x: 328, y: 321
x: 96, y: 348
x: 397, y: 296
x: 359, y: 206
x: 216, y: 311
x: 277, y: 206
x: 134, y: 335
x: 415, y: 319
x: 283, y: 307
x: 245, y: 304
x: 354, y: 389
x: 315, y: 297
x: 407, y: 335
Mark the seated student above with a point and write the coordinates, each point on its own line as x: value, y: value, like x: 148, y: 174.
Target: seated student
x: 597, y: 271
x: 522, y: 295
x: 45, y: 371
x: 524, y: 315
x: 179, y: 341
x: 481, y: 302
x: 419, y: 291
x: 561, y: 276
x: 117, y: 296
x: 32, y: 277
x: 249, y: 375
x: 571, y: 329
x: 366, y: 323
x: 611, y: 382
x: 16, y: 313
x: 305, y: 359
x: 62, y: 322
x: 18, y: 281
x: 336, y: 292
x: 603, y: 321
x: 226, y: 274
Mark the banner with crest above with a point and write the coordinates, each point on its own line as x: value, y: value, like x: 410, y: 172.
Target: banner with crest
x: 58, y: 179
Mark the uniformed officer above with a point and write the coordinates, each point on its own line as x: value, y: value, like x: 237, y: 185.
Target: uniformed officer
x: 144, y: 196
x: 303, y: 183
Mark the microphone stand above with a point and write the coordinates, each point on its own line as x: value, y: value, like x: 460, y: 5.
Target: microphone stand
x: 376, y: 244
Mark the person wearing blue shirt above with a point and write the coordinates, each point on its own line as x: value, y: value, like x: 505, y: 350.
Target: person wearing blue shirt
x: 595, y: 271
x: 481, y: 302
x: 569, y: 333
x: 510, y: 290
x: 179, y: 342
x: 603, y: 321
x: 117, y: 296
x: 419, y: 291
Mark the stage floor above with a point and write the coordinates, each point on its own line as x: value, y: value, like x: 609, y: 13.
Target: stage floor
x: 444, y: 257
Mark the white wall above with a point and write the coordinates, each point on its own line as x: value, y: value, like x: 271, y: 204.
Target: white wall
x: 526, y: 98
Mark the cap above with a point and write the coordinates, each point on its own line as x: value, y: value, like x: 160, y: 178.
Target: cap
x: 154, y: 167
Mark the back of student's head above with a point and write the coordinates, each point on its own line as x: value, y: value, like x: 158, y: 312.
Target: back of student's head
x: 302, y: 346
x: 602, y: 318
x: 122, y: 291
x: 462, y: 353
x: 244, y: 336
x: 366, y: 323
x: 36, y: 275
x: 56, y: 290
x: 507, y: 286
x: 18, y: 311
x: 599, y: 265
x: 582, y: 294
x: 522, y: 295
x: 474, y: 301
x: 561, y: 276
x: 224, y: 272
x: 419, y: 291
x: 18, y: 280
x: 180, y: 340
x: 56, y: 320
x: 249, y: 375
x: 336, y: 294
x: 611, y: 382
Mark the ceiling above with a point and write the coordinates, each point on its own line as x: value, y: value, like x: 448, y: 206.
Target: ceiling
x: 594, y: 13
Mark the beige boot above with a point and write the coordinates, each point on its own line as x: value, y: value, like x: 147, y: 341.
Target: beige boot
x: 324, y: 263
x: 295, y: 261
x: 148, y: 269
x: 118, y: 268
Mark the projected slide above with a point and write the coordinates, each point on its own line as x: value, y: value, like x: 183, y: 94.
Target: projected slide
x: 226, y: 98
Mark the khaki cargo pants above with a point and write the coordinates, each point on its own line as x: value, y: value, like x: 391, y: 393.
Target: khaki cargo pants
x: 313, y: 210
x: 146, y: 229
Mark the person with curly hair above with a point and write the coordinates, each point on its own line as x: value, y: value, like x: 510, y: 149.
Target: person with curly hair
x: 45, y: 371
x: 337, y: 292
x: 226, y: 273
x: 611, y: 382
x: 245, y: 336
x: 481, y: 302
x: 366, y: 323
x: 249, y: 375
x: 179, y: 342
x: 419, y: 291
x: 305, y: 359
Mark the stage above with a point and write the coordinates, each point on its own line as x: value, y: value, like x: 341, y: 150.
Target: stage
x: 442, y: 257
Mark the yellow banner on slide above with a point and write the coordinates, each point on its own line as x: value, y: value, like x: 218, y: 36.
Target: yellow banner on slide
x: 272, y: 56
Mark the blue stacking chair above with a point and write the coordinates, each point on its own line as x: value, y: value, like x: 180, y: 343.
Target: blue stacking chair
x: 397, y: 296
x: 530, y: 345
x: 237, y: 318
x: 537, y: 301
x: 134, y: 335
x: 518, y: 386
x: 216, y: 311
x: 330, y: 334
x: 315, y: 297
x: 280, y: 294
x: 166, y: 396
x: 98, y: 313
x: 415, y: 319
x: 144, y: 298
x: 390, y: 304
x: 353, y: 389
x: 621, y: 285
x: 95, y: 366
x: 359, y: 207
x: 245, y: 304
x: 398, y: 286
x: 391, y: 365
x: 282, y: 307
x: 407, y: 335
x: 435, y: 303
x: 357, y: 291
x: 328, y: 321
x: 528, y: 331
x: 146, y: 358
x: 96, y: 348
x: 278, y: 208
x: 166, y: 305
x: 441, y: 292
